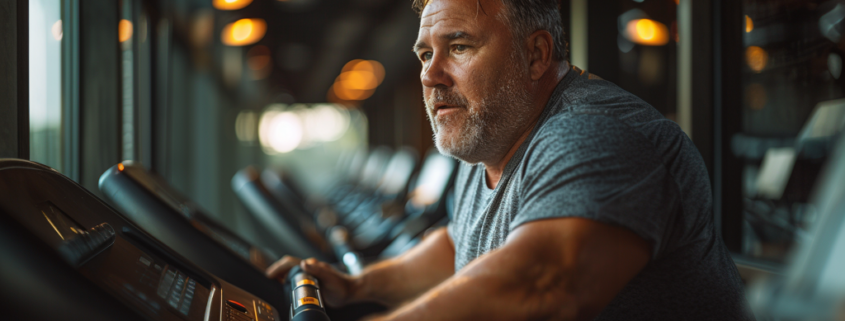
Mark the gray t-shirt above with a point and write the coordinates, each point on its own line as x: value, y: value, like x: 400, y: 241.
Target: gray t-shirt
x: 601, y: 153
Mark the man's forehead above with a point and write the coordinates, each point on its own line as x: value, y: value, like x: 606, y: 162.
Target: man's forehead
x: 458, y: 11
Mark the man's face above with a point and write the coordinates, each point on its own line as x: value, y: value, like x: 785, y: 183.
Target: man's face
x: 475, y: 79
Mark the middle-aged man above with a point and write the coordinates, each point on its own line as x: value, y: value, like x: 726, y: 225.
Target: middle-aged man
x: 577, y: 200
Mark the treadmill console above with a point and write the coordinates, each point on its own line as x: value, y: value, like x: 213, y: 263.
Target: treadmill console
x: 132, y: 188
x: 120, y: 260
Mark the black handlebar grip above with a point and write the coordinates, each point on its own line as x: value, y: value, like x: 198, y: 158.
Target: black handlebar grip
x: 306, y: 302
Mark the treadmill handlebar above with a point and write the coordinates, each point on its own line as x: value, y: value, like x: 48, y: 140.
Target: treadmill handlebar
x: 339, y: 238
x: 306, y: 301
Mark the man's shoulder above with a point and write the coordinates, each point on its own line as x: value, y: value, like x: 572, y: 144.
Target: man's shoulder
x: 590, y: 110
x: 587, y: 91
x: 566, y: 131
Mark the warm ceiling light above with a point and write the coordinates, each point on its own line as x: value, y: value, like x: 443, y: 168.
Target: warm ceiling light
x: 370, y: 66
x: 373, y: 67
x: 124, y: 30
x: 231, y: 4
x: 358, y: 80
x: 647, y: 32
x: 757, y: 58
x: 244, y: 32
x: 345, y: 93
x: 749, y: 24
x: 351, y: 65
x: 120, y: 167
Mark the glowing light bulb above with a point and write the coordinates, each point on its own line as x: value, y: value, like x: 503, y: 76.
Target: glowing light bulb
x: 358, y: 80
x: 244, y: 32
x: 646, y: 29
x: 757, y: 58
x: 749, y: 24
x: 242, y: 29
x: 124, y: 30
x: 230, y: 4
x: 647, y: 32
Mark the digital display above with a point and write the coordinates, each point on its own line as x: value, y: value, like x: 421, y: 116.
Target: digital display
x: 148, y: 282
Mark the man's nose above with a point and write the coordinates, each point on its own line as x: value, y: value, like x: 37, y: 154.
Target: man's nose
x: 436, y: 73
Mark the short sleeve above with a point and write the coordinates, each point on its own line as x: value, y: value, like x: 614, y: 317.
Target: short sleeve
x: 596, y: 167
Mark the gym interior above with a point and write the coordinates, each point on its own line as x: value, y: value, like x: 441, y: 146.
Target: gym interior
x: 157, y: 156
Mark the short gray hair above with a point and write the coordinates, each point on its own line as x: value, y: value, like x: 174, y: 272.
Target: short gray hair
x: 527, y: 16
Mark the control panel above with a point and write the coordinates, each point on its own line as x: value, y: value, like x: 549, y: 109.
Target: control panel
x: 118, y: 269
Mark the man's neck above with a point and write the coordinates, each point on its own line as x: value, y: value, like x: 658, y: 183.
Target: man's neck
x: 547, y: 85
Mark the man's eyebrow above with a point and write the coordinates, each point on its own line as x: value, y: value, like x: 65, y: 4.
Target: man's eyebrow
x: 458, y: 35
x: 448, y: 36
x: 420, y: 45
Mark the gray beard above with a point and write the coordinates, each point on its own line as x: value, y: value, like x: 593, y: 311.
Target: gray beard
x: 489, y: 128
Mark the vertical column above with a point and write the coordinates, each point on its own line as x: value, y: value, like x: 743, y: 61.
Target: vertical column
x: 728, y: 53
x: 100, y: 87
x: 70, y: 89
x: 685, y: 44
x: 14, y: 79
x: 578, y: 34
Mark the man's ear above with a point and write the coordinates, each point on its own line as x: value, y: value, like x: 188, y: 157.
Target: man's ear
x: 540, y: 47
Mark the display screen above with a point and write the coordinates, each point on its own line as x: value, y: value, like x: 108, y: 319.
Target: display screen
x: 148, y: 282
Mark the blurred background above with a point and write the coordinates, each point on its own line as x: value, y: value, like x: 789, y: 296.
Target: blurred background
x: 198, y: 89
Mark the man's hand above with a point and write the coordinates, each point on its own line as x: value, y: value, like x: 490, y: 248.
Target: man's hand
x: 337, y: 288
x: 390, y: 282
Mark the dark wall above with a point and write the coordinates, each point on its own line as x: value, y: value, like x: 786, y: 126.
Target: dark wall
x: 14, y: 83
x: 99, y: 90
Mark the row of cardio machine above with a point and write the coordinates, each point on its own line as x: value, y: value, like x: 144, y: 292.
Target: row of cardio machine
x: 147, y: 252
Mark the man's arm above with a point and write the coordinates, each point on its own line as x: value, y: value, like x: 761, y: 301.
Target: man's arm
x: 389, y: 282
x: 553, y: 269
x: 405, y: 277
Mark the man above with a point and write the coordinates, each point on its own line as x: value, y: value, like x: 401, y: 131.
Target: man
x: 577, y: 200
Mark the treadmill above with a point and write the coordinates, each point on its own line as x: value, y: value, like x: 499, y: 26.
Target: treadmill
x: 386, y: 234
x: 68, y: 255
x: 281, y: 224
x: 151, y: 203
x: 391, y: 190
x: 287, y: 220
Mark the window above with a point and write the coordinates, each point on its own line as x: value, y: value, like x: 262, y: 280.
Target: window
x: 792, y: 106
x: 127, y: 37
x: 45, y: 82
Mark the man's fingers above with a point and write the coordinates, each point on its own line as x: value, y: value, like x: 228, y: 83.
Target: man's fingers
x: 280, y: 269
x: 321, y: 270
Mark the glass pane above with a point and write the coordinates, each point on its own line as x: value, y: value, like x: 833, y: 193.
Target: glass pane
x: 145, y: 95
x: 45, y: 80
x: 792, y: 87
x: 647, y: 50
x: 634, y: 44
x: 126, y: 33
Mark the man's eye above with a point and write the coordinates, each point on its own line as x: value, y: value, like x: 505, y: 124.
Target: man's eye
x: 460, y: 48
x: 426, y: 56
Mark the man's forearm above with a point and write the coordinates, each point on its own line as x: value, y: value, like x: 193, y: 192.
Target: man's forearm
x: 557, y: 269
x: 403, y: 278
x: 494, y: 287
